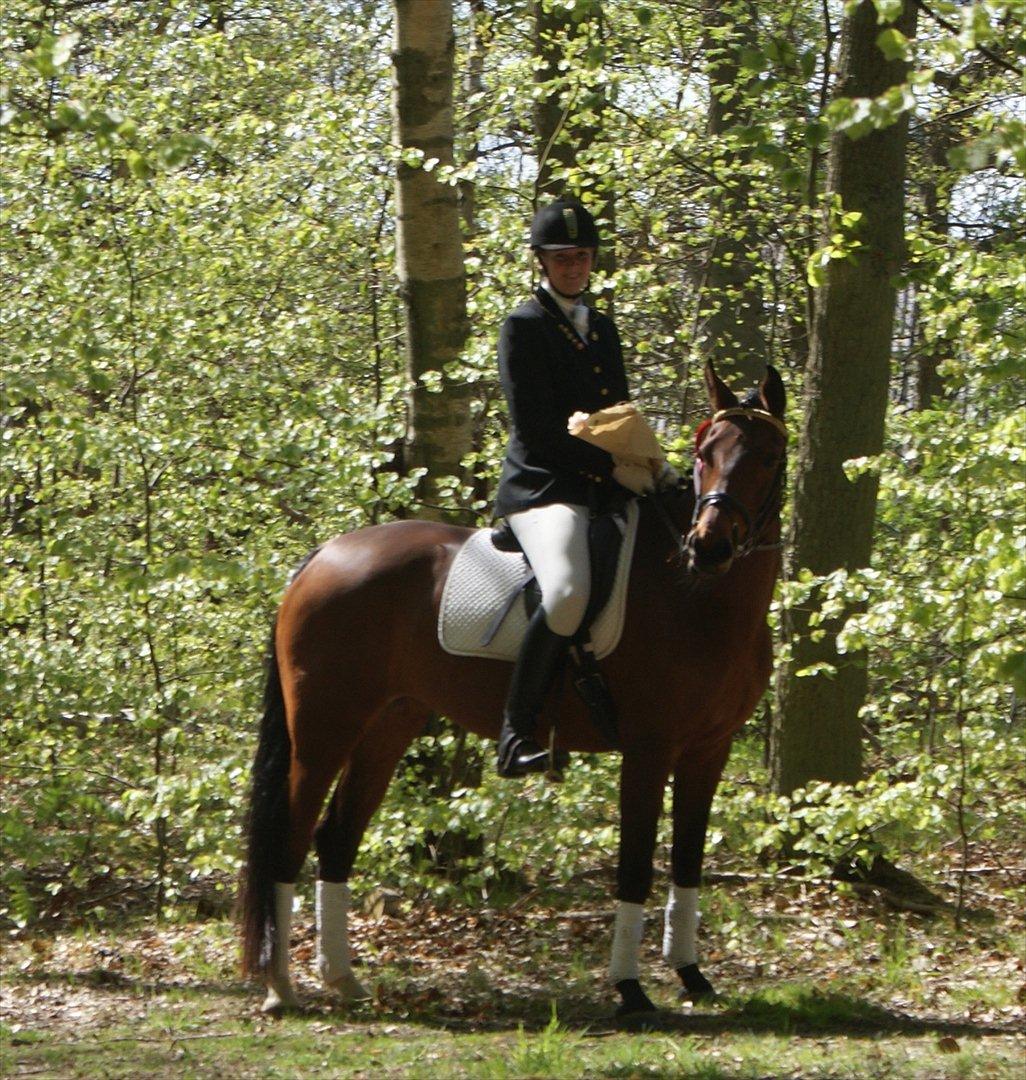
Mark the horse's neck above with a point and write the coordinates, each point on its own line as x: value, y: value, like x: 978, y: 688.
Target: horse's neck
x: 743, y: 593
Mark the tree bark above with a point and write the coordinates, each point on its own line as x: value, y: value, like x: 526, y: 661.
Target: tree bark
x: 429, y: 248
x: 562, y: 139
x: 817, y: 732
x: 731, y: 294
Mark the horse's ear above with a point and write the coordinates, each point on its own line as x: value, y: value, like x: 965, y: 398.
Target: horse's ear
x: 720, y: 396
x: 771, y: 392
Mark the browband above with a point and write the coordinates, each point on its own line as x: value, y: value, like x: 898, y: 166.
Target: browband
x: 760, y: 414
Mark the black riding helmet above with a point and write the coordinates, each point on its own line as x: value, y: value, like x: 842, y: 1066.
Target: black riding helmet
x: 564, y: 223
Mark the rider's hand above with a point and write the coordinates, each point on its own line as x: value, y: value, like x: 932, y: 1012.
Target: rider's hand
x: 635, y: 478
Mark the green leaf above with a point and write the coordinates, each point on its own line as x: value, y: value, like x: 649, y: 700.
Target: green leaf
x: 893, y: 44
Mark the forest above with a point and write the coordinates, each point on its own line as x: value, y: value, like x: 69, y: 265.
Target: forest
x: 255, y: 258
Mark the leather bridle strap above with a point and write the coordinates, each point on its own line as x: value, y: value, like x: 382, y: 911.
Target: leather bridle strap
x: 752, y: 414
x: 656, y: 499
x: 725, y: 500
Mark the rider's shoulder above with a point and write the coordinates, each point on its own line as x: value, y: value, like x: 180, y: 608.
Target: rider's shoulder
x: 529, y: 310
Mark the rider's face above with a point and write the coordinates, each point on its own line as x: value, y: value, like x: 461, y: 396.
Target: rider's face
x: 568, y: 270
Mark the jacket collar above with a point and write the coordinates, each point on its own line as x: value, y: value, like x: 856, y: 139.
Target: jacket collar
x: 566, y: 327
x: 548, y: 302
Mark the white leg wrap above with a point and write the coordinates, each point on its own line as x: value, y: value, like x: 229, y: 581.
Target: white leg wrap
x: 280, y: 994
x: 334, y: 964
x: 284, y: 901
x: 627, y: 933
x: 680, y: 932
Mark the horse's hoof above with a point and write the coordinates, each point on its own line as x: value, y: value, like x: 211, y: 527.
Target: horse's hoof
x: 280, y: 1001
x: 634, y: 1000
x: 349, y: 988
x: 696, y: 986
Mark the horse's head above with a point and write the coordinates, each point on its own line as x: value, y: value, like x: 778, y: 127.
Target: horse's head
x: 739, y: 469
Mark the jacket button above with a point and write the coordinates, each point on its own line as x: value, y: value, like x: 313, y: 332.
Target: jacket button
x: 597, y: 370
x: 604, y: 391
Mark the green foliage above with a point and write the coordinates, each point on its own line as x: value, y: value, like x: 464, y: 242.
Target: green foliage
x: 204, y: 380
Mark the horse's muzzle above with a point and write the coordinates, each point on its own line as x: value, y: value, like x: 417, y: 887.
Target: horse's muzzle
x: 709, y: 557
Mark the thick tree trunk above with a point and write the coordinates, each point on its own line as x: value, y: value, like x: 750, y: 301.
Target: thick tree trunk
x: 561, y: 137
x: 429, y: 247
x: 731, y: 294
x: 817, y: 732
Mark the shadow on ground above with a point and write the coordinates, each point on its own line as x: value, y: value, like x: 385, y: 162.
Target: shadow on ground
x: 788, y: 1010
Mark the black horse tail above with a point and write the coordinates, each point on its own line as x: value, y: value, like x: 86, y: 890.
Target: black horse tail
x: 267, y: 825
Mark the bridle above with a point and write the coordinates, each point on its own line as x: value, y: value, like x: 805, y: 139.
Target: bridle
x: 753, y: 526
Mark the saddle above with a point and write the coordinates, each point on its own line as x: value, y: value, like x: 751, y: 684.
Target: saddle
x: 490, y: 594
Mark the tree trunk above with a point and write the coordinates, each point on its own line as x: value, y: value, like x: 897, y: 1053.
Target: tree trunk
x: 936, y: 197
x: 731, y: 294
x: 429, y: 247
x: 554, y: 144
x: 817, y: 733
x: 561, y: 138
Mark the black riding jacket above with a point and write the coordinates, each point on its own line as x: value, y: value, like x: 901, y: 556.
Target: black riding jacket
x: 548, y: 373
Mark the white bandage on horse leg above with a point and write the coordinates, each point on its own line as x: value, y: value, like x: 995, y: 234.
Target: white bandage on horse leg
x: 334, y: 964
x: 627, y: 933
x: 680, y: 932
x: 280, y: 994
x: 284, y: 901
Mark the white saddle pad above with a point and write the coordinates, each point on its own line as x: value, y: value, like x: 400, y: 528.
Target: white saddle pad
x: 480, y: 582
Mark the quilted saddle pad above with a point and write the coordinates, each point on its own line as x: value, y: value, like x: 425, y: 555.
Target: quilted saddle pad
x: 480, y: 582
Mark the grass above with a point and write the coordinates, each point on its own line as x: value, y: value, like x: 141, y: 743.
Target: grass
x: 184, y: 1043
x: 814, y: 983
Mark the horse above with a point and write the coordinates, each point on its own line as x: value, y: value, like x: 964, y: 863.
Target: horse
x: 355, y: 672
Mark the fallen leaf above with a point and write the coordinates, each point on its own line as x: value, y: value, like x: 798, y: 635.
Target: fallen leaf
x: 948, y: 1045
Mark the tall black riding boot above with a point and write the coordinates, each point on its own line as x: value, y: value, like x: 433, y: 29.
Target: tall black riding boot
x: 536, y: 667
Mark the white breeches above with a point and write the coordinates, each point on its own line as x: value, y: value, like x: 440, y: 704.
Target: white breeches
x: 555, y: 541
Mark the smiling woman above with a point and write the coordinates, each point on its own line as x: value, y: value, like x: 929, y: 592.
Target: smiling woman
x: 557, y: 357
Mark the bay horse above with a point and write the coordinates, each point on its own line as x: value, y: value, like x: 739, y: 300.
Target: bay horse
x: 355, y: 671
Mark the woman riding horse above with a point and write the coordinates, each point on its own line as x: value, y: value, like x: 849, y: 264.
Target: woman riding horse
x: 556, y: 357
x: 356, y: 669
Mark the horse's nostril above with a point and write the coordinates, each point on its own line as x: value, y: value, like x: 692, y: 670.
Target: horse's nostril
x: 711, y: 555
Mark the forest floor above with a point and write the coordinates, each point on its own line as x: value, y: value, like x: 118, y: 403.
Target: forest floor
x: 814, y: 981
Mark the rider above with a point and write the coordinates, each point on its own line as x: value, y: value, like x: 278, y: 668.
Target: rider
x: 557, y: 356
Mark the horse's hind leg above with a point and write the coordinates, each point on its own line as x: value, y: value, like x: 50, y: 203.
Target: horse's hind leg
x: 358, y: 794
x: 321, y: 745
x: 308, y: 783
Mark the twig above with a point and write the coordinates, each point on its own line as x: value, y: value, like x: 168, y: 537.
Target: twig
x: 953, y: 29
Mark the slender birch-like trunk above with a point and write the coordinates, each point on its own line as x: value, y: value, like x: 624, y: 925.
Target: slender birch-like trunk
x: 429, y: 248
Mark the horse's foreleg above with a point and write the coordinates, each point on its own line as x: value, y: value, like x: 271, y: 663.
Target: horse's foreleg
x: 337, y: 839
x: 694, y: 785
x: 642, y: 782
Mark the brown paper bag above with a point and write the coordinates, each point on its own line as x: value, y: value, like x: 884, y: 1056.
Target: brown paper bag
x: 623, y: 431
